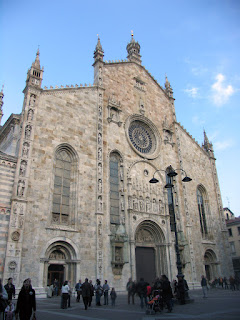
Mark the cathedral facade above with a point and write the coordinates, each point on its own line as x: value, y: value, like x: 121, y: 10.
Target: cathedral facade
x: 75, y: 197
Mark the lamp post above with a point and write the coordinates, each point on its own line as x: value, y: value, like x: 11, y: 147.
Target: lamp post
x: 172, y: 173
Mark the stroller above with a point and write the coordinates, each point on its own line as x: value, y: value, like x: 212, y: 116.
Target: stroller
x: 155, y: 304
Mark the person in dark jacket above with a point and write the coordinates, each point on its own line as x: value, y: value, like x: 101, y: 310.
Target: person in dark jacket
x: 86, y: 293
x: 142, y: 291
x: 167, y: 292
x: 10, y: 288
x: 26, y: 303
x: 131, y: 289
x: 181, y: 289
x: 92, y: 293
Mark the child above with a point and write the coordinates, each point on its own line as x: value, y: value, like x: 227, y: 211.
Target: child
x: 9, y: 311
x: 113, y: 296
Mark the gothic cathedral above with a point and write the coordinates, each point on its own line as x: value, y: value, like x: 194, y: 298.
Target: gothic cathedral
x: 75, y: 194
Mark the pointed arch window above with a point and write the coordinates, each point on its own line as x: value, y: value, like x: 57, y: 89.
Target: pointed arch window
x: 202, y: 210
x: 64, y: 186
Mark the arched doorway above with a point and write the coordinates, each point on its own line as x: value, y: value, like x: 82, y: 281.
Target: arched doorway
x: 210, y: 262
x: 150, y: 251
x: 60, y: 263
x: 56, y: 272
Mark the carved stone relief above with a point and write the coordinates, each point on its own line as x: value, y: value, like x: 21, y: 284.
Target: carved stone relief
x: 12, y: 266
x: 99, y: 203
x: 23, y: 166
x: 57, y: 255
x: 28, y: 131
x: 25, y: 149
x: 99, y: 154
x: 30, y: 115
x: 114, y: 109
x: 32, y: 100
x: 144, y: 236
x: 21, y: 188
x: 15, y: 236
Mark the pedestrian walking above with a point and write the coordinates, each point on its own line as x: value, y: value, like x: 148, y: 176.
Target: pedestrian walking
x: 204, y: 286
x: 86, y: 293
x: 26, y: 303
x: 78, y: 288
x: 113, y: 296
x: 105, y: 292
x: 10, y: 288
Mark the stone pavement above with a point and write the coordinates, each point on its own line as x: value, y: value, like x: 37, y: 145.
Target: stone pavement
x: 220, y: 304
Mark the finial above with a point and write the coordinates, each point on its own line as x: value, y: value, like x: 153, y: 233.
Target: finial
x: 2, y: 88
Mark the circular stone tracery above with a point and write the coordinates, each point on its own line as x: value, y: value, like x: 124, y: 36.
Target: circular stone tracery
x: 142, y: 137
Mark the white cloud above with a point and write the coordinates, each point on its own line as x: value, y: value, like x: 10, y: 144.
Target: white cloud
x: 220, y: 91
x: 193, y: 92
x: 199, y: 71
x: 223, y: 145
x: 196, y: 120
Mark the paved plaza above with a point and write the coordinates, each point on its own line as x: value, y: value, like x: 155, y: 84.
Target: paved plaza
x: 220, y: 304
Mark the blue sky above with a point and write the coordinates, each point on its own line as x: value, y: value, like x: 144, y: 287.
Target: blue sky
x: 196, y: 43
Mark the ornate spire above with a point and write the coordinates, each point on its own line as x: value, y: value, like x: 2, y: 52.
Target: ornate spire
x: 168, y: 87
x: 34, y: 75
x: 133, y: 49
x: 36, y: 63
x: 1, y: 104
x: 98, y: 53
x: 207, y: 146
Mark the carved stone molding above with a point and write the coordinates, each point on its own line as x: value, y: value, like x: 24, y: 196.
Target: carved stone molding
x: 114, y: 109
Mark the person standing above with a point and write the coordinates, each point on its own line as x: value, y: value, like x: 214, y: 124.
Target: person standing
x: 55, y: 285
x: 142, y: 291
x: 50, y: 291
x: 78, y: 288
x: 113, y: 296
x: 86, y: 293
x: 204, y: 286
x: 9, y: 311
x: 3, y: 297
x: 65, y: 293
x: 167, y: 292
x: 26, y: 303
x: 131, y: 289
x: 69, y: 294
x: 10, y: 288
x: 181, y: 289
x: 105, y: 292
x: 98, y: 289
x: 92, y: 293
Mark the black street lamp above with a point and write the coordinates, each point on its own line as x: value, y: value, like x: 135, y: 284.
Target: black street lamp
x: 172, y: 173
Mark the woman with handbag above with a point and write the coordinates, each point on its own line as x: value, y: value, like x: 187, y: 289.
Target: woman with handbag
x: 26, y: 303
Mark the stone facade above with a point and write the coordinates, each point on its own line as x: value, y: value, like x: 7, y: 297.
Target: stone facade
x: 81, y: 202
